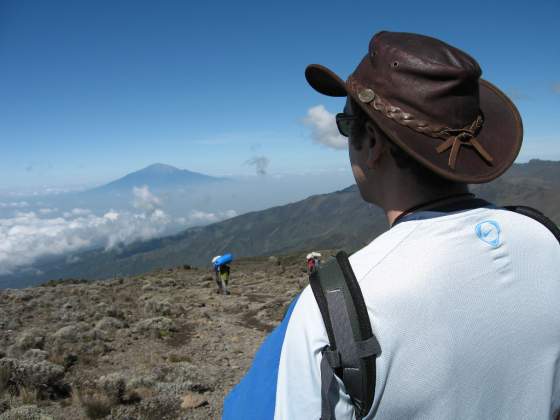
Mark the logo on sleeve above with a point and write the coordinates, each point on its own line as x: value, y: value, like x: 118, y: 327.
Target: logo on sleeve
x: 489, y: 232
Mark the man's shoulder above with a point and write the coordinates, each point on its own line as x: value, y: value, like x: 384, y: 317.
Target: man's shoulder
x: 377, y: 250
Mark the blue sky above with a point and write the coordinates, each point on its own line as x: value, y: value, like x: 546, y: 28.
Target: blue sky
x: 93, y: 90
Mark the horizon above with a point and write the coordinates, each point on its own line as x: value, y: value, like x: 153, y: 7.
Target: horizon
x: 37, y: 190
x: 158, y: 83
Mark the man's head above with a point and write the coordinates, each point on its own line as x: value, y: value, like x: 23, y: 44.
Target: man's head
x: 418, y: 103
x: 379, y: 165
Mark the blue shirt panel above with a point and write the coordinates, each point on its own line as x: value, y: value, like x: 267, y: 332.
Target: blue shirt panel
x: 254, y: 397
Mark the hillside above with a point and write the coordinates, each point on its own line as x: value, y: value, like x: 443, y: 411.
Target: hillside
x: 162, y: 345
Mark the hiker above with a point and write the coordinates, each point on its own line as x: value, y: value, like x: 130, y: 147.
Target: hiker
x: 220, y: 264
x: 313, y: 261
x: 453, y: 312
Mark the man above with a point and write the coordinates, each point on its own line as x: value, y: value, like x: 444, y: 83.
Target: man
x: 220, y: 265
x: 462, y: 296
x: 313, y: 261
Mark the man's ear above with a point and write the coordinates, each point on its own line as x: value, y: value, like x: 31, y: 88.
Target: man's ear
x: 376, y: 144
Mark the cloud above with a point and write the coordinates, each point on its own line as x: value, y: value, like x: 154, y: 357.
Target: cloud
x: 14, y: 205
x: 260, y: 163
x: 47, y: 210
x: 30, y: 235
x: 556, y: 88
x: 323, y: 128
x: 45, y: 191
x: 76, y: 212
x: 197, y: 216
x: 144, y: 199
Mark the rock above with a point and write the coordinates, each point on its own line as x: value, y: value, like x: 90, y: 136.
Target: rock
x: 25, y: 412
x: 192, y: 400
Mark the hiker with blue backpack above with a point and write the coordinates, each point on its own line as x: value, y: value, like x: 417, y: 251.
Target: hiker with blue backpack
x: 220, y: 265
x: 453, y: 313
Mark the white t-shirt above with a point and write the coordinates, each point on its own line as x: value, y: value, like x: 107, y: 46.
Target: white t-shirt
x: 466, y: 308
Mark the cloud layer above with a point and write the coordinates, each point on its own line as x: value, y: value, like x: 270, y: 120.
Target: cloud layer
x: 323, y: 128
x: 31, y: 235
x: 27, y: 236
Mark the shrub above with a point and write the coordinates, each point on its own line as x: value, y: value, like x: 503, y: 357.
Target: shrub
x: 96, y: 405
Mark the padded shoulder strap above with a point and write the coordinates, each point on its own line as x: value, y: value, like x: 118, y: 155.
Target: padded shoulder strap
x: 538, y: 216
x: 353, y: 347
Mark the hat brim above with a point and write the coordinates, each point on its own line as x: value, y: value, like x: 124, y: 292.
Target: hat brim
x: 325, y: 81
x: 501, y: 134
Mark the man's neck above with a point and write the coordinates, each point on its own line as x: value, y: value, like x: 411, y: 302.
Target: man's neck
x: 410, y: 204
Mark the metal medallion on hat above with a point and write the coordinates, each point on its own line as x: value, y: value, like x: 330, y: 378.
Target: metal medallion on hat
x: 366, y: 95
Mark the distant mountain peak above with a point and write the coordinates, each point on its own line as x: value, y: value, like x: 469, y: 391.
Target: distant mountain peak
x: 159, y: 175
x: 160, y: 168
x: 543, y: 162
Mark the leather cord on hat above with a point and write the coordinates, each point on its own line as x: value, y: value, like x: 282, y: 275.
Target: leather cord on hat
x: 465, y: 136
x: 454, y: 137
x: 428, y: 205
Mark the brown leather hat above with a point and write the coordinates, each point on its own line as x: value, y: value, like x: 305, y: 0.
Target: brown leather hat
x: 429, y: 99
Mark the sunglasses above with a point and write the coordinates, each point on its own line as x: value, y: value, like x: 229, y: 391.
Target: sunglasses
x: 344, y: 122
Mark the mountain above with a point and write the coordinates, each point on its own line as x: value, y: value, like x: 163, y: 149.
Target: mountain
x: 157, y: 177
x: 337, y: 220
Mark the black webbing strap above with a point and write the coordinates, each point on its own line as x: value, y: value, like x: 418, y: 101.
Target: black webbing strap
x: 538, y: 216
x: 353, y: 347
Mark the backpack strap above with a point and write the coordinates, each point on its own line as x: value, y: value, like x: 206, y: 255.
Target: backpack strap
x: 538, y: 216
x: 353, y: 347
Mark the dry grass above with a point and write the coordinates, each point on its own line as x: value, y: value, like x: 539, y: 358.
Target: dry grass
x: 178, y: 358
x: 96, y: 404
x: 4, y: 379
x: 28, y: 395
